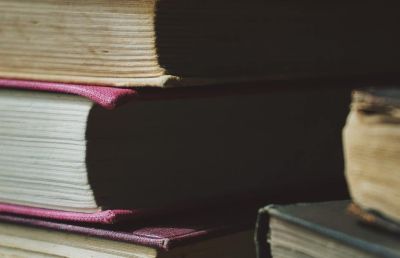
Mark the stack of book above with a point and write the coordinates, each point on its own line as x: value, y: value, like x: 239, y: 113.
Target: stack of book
x: 366, y: 226
x: 144, y: 128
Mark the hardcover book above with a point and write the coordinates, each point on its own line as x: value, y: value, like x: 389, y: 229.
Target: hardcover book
x: 195, y: 42
x: 206, y: 234
x: 68, y: 153
x: 320, y: 230
x: 371, y: 140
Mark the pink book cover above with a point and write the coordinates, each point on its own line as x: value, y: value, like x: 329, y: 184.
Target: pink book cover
x: 113, y: 216
x: 107, y: 97
x: 101, y: 217
x: 112, y: 97
x: 165, y: 234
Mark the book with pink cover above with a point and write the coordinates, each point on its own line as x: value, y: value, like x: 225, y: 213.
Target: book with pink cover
x: 106, y: 97
x: 163, y: 234
x: 227, y: 177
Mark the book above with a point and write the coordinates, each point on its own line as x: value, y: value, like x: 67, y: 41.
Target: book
x: 65, y: 152
x: 207, y: 234
x: 320, y: 230
x: 193, y: 42
x: 371, y: 138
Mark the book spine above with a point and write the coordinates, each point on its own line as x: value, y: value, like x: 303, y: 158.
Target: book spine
x: 263, y: 249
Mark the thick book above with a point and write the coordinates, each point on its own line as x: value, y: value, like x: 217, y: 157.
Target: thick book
x: 66, y: 152
x: 208, y: 234
x: 371, y: 140
x: 320, y: 230
x: 195, y: 42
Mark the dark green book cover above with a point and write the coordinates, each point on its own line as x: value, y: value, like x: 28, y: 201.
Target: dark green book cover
x: 330, y: 220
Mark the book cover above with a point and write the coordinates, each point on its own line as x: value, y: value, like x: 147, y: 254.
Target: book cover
x: 107, y: 97
x: 164, y: 234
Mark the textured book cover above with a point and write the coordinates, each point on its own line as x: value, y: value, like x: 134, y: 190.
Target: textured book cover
x: 163, y: 234
x: 106, y: 97
x: 102, y: 217
x: 112, y: 97
x: 116, y: 216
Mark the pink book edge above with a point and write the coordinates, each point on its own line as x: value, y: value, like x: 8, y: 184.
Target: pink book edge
x: 102, y: 217
x: 162, y: 234
x: 107, y: 97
